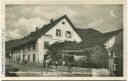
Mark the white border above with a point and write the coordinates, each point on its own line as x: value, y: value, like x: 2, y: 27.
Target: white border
x: 2, y: 28
x: 69, y: 2
x: 64, y: 1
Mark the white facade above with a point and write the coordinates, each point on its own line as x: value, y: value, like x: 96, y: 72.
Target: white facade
x: 25, y: 53
x: 62, y: 31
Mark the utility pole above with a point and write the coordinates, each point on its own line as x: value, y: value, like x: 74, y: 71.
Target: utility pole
x: 112, y: 65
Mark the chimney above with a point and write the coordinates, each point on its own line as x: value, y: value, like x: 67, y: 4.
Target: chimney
x: 51, y: 20
x: 37, y: 28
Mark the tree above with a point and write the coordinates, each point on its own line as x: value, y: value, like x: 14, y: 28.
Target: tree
x: 98, y: 57
x: 56, y: 50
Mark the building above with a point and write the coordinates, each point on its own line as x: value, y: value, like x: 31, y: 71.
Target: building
x: 33, y: 48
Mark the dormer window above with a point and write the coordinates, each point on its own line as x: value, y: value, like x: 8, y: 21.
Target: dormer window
x: 58, y: 32
x: 68, y: 34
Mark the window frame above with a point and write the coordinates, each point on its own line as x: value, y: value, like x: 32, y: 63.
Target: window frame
x: 68, y: 35
x: 19, y: 58
x: 58, y: 32
x: 34, y: 57
x: 24, y: 55
x: 28, y: 57
x: 46, y: 44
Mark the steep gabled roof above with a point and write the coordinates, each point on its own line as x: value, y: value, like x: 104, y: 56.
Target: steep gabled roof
x: 37, y: 34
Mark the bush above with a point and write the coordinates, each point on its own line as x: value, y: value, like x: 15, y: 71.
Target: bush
x: 98, y: 57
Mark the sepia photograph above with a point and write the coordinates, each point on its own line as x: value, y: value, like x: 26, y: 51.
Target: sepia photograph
x: 51, y: 40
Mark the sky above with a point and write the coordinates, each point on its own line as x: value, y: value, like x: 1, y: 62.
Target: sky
x: 22, y: 19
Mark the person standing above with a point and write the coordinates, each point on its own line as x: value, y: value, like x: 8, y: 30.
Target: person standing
x: 56, y: 64
x: 69, y: 68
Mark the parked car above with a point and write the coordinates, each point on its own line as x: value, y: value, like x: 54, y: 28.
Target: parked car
x: 10, y: 71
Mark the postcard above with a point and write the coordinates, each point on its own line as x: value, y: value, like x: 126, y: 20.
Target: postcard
x: 65, y: 40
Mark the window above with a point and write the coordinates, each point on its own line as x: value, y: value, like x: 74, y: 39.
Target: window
x: 46, y: 44
x: 23, y: 57
x: 58, y: 32
x: 68, y: 34
x: 34, y: 57
x: 19, y: 58
x: 63, y: 22
x: 28, y: 57
x: 16, y: 58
